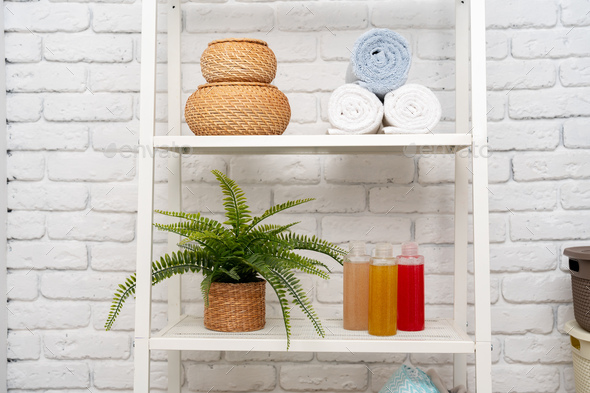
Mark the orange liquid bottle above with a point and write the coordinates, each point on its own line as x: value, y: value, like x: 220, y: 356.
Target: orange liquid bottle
x: 356, y: 288
x: 383, y: 292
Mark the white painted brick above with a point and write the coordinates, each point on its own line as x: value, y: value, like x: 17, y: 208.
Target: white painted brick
x: 113, y: 257
x: 95, y: 167
x: 438, y: 259
x: 330, y: 291
x: 369, y: 169
x: 23, y: 47
x: 398, y: 15
x: 46, y: 196
x: 517, y: 288
x: 114, y: 197
x: 553, y: 44
x: 119, y: 375
x: 45, y: 77
x: 521, y: 319
x: 564, y: 314
x: 91, y: 48
x: 303, y: 108
x: 47, y: 255
x: 523, y: 257
x: 576, y: 133
x: 439, y: 229
x: 435, y: 75
x: 411, y: 199
x: 126, y: 320
x: 322, y: 16
x: 329, y: 198
x: 559, y: 165
x: 440, y: 45
x: 92, y: 345
x: 255, y: 356
x: 522, y: 196
x: 237, y: 18
x: 575, y: 72
x: 80, y: 285
x: 88, y: 107
x: 520, y: 378
x: 22, y: 286
x: 537, y: 349
x: 197, y: 168
x: 91, y: 226
x: 115, y: 137
x: 47, y: 375
x: 307, y: 129
x: 549, y: 226
x: 200, y: 198
x: 307, y: 223
x: 114, y: 77
x: 346, y: 357
x: 438, y: 289
x: 275, y: 169
x: 42, y: 314
x: 310, y: 77
x: 574, y: 13
x: 575, y: 195
x: 520, y: 74
x: 555, y: 103
x: 497, y: 45
x: 324, y: 377
x: 25, y: 225
x: 496, y: 106
x: 523, y: 135
x: 47, y: 136
x: 339, y: 46
x: 46, y: 17
x: 374, y: 229
x: 23, y: 107
x: 518, y: 14
x: 23, y: 345
x: 123, y: 18
x: 380, y: 374
x: 219, y: 378
x: 25, y: 166
x: 569, y: 377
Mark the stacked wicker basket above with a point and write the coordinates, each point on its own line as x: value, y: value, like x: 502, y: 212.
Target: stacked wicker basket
x: 238, y: 98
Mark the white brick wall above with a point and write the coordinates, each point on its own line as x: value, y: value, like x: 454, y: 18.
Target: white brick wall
x: 72, y: 108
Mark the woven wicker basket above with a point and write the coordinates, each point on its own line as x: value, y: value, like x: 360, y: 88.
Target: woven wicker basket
x: 236, y: 307
x: 579, y: 267
x: 237, y: 108
x: 238, y: 60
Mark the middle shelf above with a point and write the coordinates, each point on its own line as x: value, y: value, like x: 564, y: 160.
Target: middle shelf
x: 189, y: 333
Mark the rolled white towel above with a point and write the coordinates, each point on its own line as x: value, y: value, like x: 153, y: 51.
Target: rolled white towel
x: 354, y: 110
x: 411, y: 109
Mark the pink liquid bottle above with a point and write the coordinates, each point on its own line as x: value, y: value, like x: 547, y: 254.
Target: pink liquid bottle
x: 356, y: 288
x: 410, y: 298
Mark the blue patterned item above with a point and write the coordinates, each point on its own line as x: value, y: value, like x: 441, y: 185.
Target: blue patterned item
x: 381, y: 61
x: 409, y: 379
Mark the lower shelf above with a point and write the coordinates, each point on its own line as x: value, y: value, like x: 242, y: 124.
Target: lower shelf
x: 189, y: 333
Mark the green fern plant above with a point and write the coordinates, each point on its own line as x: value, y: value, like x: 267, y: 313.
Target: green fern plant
x: 243, y: 250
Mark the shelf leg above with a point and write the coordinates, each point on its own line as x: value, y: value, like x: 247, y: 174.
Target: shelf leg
x: 481, y: 220
x: 174, y: 372
x: 461, y: 181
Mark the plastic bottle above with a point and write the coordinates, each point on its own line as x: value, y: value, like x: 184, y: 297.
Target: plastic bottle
x: 356, y: 288
x: 383, y: 292
x: 410, y: 296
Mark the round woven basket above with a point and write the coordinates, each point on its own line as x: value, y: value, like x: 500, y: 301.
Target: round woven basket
x: 237, y: 108
x: 236, y: 307
x: 238, y: 60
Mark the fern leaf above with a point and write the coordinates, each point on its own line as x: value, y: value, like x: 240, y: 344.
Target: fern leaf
x: 276, y: 209
x: 236, y: 208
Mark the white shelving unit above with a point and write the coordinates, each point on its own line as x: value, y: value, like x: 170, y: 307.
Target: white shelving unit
x: 440, y: 336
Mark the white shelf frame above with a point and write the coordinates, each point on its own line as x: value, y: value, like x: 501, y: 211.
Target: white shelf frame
x: 470, y: 38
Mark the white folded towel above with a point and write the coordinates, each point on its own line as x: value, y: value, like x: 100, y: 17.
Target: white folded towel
x: 354, y: 110
x: 411, y: 109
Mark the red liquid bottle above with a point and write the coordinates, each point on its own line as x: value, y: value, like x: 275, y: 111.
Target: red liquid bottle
x: 410, y: 297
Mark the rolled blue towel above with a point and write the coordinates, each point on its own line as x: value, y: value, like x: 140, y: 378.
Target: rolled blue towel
x: 381, y: 61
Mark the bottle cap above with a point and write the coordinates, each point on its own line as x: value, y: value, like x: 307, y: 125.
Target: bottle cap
x: 409, y: 249
x: 357, y: 249
x: 383, y: 250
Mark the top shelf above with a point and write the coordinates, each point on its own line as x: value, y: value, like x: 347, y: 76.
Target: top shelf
x: 316, y: 144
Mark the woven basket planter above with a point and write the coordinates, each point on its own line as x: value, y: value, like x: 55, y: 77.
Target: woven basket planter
x: 236, y: 307
x: 238, y: 60
x: 237, y: 108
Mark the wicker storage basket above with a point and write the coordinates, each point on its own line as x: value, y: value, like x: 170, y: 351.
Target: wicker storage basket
x: 236, y: 307
x: 580, y: 344
x: 579, y: 266
x: 238, y: 60
x: 237, y: 108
